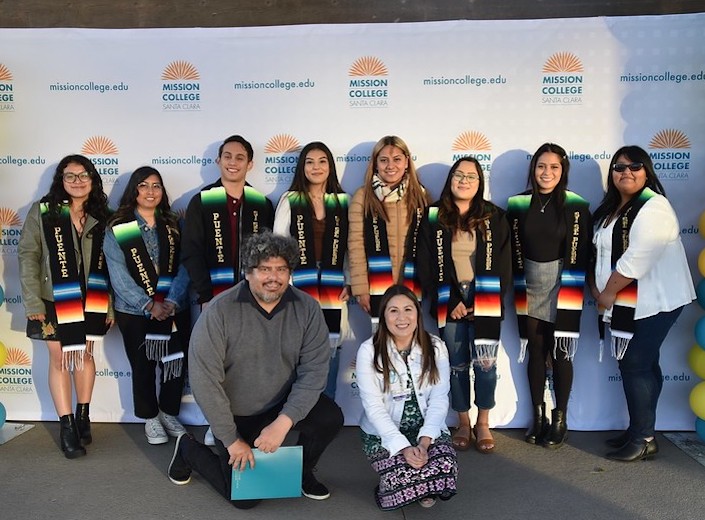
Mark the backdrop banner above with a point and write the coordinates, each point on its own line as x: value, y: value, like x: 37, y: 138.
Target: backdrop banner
x: 493, y: 89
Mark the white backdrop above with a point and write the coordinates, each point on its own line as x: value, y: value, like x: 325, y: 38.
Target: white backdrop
x: 495, y: 89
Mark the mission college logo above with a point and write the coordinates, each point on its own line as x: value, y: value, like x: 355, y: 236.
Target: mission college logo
x: 103, y: 153
x: 670, y: 152
x: 7, y: 94
x: 562, y: 80
x: 281, y: 155
x: 181, y: 90
x: 11, y: 225
x: 368, y: 84
x: 15, y: 371
x: 477, y: 145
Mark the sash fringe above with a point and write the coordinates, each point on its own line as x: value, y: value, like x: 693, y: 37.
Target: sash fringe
x: 568, y: 346
x: 156, y: 349
x: 72, y: 357
x: 619, y: 347
x: 602, y: 350
x: 486, y: 355
x: 173, y: 365
x: 523, y: 342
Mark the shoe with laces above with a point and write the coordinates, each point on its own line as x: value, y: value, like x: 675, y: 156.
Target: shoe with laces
x: 154, y: 431
x: 209, y: 438
x: 171, y: 424
x: 311, y: 488
x: 179, y: 471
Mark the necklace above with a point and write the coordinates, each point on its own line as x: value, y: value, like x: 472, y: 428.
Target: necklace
x: 544, y: 204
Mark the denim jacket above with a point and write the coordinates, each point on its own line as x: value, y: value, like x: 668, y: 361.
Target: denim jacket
x: 382, y: 411
x: 130, y: 298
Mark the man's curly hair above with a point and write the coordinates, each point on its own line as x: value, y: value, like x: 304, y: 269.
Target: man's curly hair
x: 265, y: 245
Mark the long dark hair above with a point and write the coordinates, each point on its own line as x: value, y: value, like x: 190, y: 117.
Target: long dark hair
x: 429, y: 370
x: 475, y: 219
x: 128, y: 201
x: 562, y: 185
x: 95, y: 205
x: 300, y: 184
x: 612, y: 199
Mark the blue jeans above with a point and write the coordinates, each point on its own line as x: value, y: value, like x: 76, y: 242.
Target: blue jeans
x: 641, y: 373
x: 459, y: 337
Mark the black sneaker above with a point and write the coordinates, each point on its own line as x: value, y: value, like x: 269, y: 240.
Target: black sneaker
x: 311, y: 488
x: 179, y: 472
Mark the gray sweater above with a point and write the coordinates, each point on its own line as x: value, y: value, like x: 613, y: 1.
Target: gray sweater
x: 243, y: 361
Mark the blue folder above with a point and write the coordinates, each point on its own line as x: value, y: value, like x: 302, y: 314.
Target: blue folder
x: 276, y: 475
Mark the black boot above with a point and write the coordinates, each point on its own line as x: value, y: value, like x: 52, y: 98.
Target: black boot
x: 70, y: 443
x: 559, y: 430
x: 539, y: 430
x: 83, y: 424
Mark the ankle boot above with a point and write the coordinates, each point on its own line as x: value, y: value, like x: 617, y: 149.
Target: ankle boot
x: 83, y: 423
x: 539, y: 430
x: 559, y: 430
x: 70, y: 443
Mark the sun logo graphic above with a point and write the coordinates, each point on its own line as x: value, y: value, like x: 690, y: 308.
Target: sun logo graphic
x: 15, y: 371
x: 11, y: 225
x: 7, y: 94
x: 103, y: 152
x: 562, y: 80
x: 475, y: 144
x: 281, y: 156
x: 181, y: 87
x: 669, y: 150
x: 368, y: 85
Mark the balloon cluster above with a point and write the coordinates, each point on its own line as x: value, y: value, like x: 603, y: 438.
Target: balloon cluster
x: 696, y: 356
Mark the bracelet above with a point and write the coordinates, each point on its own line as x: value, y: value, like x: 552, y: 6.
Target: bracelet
x: 150, y: 306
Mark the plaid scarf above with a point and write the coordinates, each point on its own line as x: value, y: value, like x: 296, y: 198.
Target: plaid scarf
x: 78, y: 321
x: 156, y: 284
x: 326, y: 284
x: 575, y: 258
x: 225, y: 270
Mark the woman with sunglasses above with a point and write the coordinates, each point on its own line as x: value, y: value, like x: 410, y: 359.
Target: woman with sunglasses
x: 550, y: 250
x: 642, y: 281
x: 464, y: 266
x: 64, y: 289
x: 142, y: 248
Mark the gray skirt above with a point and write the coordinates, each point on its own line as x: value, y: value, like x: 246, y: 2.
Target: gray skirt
x: 542, y: 284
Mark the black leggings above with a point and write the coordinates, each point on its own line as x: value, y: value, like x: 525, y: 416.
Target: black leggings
x: 540, y: 348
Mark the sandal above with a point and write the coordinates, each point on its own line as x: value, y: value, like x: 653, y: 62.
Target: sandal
x: 485, y: 445
x: 427, y: 502
x: 461, y: 438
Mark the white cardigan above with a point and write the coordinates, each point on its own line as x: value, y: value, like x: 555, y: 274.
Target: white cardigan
x: 382, y: 413
x: 655, y: 257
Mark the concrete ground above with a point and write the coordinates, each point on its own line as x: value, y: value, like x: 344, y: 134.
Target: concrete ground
x: 123, y: 477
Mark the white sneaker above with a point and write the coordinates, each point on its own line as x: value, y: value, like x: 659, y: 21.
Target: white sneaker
x: 154, y: 431
x: 208, y: 438
x: 171, y: 424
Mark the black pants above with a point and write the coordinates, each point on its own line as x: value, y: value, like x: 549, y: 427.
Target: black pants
x: 144, y: 388
x: 316, y: 431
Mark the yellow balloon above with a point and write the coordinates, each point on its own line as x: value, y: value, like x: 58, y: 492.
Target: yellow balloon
x: 696, y: 361
x: 701, y: 262
x: 702, y: 224
x: 697, y: 400
x: 3, y: 354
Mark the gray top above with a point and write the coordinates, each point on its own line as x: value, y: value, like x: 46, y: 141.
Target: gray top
x: 243, y: 360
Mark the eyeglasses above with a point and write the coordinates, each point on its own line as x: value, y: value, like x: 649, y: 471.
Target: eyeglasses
x: 634, y: 167
x: 470, y: 177
x: 266, y: 270
x: 81, y: 177
x: 144, y: 186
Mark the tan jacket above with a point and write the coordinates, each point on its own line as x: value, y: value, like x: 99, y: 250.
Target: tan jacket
x: 397, y: 228
x: 35, y: 273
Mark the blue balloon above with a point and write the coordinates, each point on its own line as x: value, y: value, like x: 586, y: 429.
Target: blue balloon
x: 3, y: 415
x: 700, y: 292
x: 700, y: 428
x: 700, y: 332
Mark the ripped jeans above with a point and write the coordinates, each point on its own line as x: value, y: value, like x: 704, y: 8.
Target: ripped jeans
x: 459, y: 337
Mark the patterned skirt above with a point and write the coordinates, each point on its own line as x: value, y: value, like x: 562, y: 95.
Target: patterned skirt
x: 399, y: 483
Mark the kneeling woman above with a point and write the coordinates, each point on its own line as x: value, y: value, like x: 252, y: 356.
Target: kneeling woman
x: 403, y: 375
x: 151, y: 287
